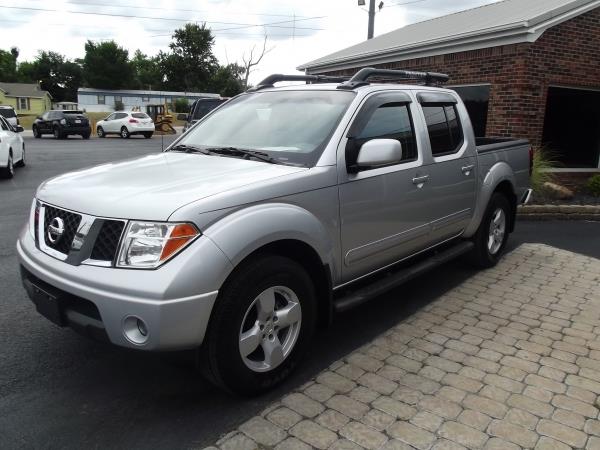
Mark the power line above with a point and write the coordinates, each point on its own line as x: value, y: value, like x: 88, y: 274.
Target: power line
x: 128, y: 16
x: 402, y: 4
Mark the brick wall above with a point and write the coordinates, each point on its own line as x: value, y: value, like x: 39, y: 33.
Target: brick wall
x: 566, y: 55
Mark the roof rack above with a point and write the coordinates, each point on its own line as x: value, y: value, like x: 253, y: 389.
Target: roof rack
x: 277, y: 77
x: 360, y: 78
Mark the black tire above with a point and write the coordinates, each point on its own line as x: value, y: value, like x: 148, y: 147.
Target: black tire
x: 85, y: 135
x: 125, y: 134
x: 36, y: 132
x: 100, y: 132
x: 148, y: 135
x: 482, y: 255
x: 220, y: 356
x: 8, y: 171
x: 57, y: 133
x: 23, y: 159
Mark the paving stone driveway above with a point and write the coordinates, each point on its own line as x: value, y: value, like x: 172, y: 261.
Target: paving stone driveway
x: 509, y: 359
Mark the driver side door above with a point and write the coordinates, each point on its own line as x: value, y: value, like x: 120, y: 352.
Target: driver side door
x: 383, y: 211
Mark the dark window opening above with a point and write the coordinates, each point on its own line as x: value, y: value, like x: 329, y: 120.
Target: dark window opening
x: 476, y: 100
x: 391, y: 121
x: 572, y: 127
x: 443, y: 126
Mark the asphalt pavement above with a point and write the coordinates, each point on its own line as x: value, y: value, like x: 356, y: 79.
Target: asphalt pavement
x: 61, y: 390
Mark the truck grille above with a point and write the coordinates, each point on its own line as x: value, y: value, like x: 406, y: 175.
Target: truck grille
x: 107, y: 242
x: 70, y: 220
x: 77, y: 244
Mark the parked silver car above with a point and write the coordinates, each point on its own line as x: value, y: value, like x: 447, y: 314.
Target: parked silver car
x: 274, y: 211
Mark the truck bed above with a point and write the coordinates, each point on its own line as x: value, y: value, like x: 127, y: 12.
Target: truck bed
x: 490, y: 144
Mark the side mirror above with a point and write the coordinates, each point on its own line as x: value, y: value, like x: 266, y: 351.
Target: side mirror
x: 20, y: 129
x: 379, y: 152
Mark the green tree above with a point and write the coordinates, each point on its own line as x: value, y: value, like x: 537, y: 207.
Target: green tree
x: 228, y: 80
x: 191, y: 63
x: 8, y: 65
x: 106, y: 66
x: 147, y: 71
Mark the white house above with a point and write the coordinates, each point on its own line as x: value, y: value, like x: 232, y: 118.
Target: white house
x: 104, y: 100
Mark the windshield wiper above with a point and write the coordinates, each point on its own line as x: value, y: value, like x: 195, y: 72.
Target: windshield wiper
x: 236, y: 151
x: 189, y: 149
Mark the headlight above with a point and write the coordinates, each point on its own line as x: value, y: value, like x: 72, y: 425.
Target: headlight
x: 34, y: 217
x: 147, y: 245
x: 63, y: 121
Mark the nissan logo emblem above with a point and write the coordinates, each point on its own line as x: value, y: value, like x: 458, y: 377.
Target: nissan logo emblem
x: 56, y: 229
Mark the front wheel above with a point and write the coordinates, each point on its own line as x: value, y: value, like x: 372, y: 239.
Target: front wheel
x: 100, y: 132
x: 36, y: 132
x: 9, y: 170
x: 57, y: 134
x: 492, y: 234
x: 261, y: 325
x: 125, y: 133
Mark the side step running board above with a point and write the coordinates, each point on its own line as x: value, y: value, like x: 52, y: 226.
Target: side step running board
x: 380, y: 286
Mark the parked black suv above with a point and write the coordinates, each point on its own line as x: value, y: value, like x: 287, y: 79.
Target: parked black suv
x: 200, y: 108
x: 62, y: 123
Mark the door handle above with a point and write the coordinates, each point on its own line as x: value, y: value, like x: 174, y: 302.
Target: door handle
x: 419, y: 181
x: 467, y: 169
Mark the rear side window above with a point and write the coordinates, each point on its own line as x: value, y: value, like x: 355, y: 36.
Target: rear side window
x: 444, y: 129
x: 391, y: 121
x: 140, y: 115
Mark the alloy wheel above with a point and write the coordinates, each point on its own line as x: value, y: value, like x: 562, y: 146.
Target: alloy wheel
x: 497, y: 231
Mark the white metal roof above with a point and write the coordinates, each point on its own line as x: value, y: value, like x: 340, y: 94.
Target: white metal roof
x: 500, y: 23
x: 136, y: 92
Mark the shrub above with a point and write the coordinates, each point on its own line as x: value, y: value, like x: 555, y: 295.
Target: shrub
x: 542, y: 161
x: 593, y: 184
x: 182, y: 105
x: 119, y: 106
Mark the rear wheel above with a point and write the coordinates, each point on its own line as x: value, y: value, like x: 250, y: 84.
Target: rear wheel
x: 260, y: 326
x: 86, y: 135
x: 36, y: 132
x: 9, y: 170
x: 100, y: 132
x: 492, y: 234
x: 125, y: 134
x: 148, y: 135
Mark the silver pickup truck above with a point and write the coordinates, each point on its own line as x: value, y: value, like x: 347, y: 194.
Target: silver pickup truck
x: 281, y: 207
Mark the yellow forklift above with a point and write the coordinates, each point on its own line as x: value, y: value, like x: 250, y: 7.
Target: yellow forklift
x: 161, y: 117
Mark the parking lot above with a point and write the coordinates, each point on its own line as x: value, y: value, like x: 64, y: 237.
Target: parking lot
x: 58, y: 388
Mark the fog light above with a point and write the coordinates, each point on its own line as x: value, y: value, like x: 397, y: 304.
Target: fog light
x: 142, y: 328
x: 135, y: 330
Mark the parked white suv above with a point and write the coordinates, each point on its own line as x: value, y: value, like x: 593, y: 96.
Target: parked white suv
x: 12, y: 148
x: 8, y: 112
x: 126, y: 123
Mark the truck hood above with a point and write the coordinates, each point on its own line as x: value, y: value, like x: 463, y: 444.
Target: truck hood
x: 153, y: 186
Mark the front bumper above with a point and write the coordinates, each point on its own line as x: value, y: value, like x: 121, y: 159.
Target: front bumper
x: 101, y: 301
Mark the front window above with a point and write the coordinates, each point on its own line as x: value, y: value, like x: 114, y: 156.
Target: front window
x: 290, y: 126
x: 23, y: 103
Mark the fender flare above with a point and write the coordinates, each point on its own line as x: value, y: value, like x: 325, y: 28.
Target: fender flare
x: 268, y: 223
x: 497, y: 174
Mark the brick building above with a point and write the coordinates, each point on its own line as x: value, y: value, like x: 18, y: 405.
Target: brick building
x: 525, y: 68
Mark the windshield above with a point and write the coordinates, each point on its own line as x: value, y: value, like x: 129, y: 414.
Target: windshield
x: 7, y: 112
x: 290, y: 126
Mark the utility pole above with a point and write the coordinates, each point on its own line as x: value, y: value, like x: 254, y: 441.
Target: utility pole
x: 371, y: 19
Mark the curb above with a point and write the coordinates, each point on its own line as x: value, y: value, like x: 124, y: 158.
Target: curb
x: 560, y: 212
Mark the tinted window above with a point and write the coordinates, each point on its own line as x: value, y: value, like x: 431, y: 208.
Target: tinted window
x: 7, y: 112
x: 120, y: 115
x: 476, y: 100
x: 140, y: 116
x: 72, y: 111
x: 443, y: 126
x: 203, y: 108
x: 3, y: 124
x: 391, y: 121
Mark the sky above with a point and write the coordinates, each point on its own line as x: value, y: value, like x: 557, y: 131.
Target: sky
x: 297, y: 31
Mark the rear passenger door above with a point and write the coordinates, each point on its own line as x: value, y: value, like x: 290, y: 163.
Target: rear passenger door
x: 381, y: 209
x: 453, y: 172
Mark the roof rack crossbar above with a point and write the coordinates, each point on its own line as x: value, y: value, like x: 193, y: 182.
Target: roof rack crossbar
x: 277, y: 77
x: 361, y: 77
